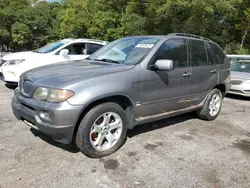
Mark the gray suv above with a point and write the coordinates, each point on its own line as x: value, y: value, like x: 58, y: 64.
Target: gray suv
x: 131, y: 81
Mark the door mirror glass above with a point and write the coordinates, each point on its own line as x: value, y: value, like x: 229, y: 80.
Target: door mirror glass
x: 64, y: 52
x: 164, y: 65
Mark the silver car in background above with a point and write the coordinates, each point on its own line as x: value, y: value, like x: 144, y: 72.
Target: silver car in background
x: 234, y: 58
x: 240, y: 78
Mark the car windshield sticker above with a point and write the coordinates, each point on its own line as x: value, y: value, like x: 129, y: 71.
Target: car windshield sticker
x: 144, y: 45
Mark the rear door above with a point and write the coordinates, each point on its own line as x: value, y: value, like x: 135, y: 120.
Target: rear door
x: 204, y: 70
x: 221, y: 60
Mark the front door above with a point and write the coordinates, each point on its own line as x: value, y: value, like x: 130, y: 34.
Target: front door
x: 164, y: 91
x: 77, y: 51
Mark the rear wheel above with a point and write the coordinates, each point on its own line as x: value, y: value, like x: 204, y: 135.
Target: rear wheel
x: 102, y: 131
x: 212, y: 106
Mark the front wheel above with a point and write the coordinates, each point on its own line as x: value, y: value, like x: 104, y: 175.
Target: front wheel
x: 212, y: 106
x: 102, y: 131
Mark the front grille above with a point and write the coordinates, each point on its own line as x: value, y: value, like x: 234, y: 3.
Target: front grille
x: 27, y: 88
x: 236, y: 82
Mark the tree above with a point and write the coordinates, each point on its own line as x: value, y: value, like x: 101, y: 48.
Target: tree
x: 21, y: 34
x: 28, y: 24
x: 244, y: 26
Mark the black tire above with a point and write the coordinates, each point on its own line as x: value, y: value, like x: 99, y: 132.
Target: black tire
x: 83, y: 133
x: 203, y: 113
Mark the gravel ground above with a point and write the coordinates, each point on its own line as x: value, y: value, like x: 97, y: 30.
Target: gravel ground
x: 178, y: 152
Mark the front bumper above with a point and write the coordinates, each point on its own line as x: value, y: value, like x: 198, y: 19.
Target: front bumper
x: 57, y: 120
x: 10, y: 76
x: 241, y: 89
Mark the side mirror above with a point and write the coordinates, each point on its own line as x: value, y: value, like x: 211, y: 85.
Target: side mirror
x: 164, y: 65
x: 64, y: 52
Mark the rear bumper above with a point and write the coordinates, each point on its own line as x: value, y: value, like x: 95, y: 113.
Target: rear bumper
x: 55, y: 120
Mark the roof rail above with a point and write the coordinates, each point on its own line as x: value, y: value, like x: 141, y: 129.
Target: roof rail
x: 189, y: 35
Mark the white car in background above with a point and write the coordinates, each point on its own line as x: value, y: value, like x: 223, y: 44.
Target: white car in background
x: 14, y: 64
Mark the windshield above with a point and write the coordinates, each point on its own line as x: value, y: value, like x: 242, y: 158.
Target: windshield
x: 129, y: 50
x: 50, y: 47
x: 241, y: 66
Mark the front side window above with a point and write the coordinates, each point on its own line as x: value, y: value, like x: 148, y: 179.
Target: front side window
x: 50, y: 47
x: 198, y: 53
x: 241, y: 66
x: 129, y: 50
x: 218, y: 54
x: 76, y: 49
x: 173, y: 49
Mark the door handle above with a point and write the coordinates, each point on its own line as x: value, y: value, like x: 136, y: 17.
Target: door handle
x: 213, y: 71
x: 186, y: 74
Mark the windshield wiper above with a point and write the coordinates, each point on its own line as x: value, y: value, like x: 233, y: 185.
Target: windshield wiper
x: 108, y: 60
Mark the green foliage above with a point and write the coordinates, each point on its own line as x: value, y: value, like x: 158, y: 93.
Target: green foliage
x: 242, y: 51
x: 28, y: 24
x: 20, y: 33
x: 232, y: 48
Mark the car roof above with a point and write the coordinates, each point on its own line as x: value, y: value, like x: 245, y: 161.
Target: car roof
x: 85, y: 40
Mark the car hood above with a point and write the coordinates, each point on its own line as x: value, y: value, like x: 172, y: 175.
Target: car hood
x: 65, y: 73
x: 240, y: 75
x: 19, y: 55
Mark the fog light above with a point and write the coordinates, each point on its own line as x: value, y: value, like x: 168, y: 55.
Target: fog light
x: 44, y: 115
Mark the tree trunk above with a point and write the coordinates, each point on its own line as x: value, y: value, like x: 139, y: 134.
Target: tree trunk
x: 245, y: 35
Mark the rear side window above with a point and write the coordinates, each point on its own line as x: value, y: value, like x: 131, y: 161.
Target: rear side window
x: 93, y: 47
x: 217, y: 53
x: 198, y: 53
x: 173, y: 49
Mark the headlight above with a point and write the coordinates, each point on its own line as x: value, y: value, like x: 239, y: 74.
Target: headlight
x: 14, y: 62
x: 52, y: 95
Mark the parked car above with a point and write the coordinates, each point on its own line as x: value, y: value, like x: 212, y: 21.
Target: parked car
x: 233, y: 57
x: 240, y: 78
x: 14, y: 64
x: 131, y: 81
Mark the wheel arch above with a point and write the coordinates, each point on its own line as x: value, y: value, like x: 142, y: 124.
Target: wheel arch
x: 124, y: 101
x: 222, y: 88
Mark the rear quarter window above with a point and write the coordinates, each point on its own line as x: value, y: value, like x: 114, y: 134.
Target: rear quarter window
x: 217, y: 53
